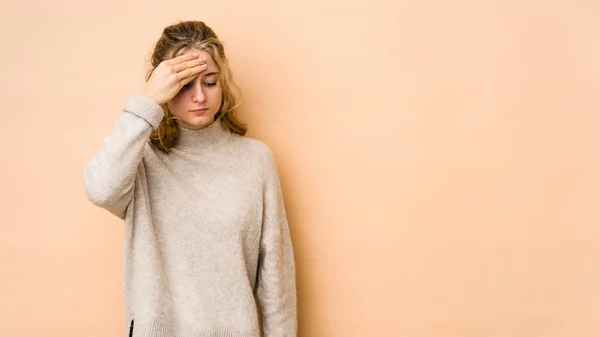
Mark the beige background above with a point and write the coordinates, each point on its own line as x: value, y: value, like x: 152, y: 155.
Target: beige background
x: 440, y: 159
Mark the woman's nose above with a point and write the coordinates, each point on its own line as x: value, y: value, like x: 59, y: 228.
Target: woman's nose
x: 198, y: 95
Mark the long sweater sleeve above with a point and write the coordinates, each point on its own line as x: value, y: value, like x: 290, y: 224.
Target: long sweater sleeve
x: 110, y: 174
x: 276, y: 286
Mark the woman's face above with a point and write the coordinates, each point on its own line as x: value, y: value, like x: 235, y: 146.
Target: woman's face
x: 198, y: 101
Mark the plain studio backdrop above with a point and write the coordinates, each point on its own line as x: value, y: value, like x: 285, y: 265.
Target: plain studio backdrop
x: 439, y: 159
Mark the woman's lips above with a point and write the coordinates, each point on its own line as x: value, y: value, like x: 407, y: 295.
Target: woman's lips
x: 199, y: 112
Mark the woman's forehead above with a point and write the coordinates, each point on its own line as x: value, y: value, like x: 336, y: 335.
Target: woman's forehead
x: 187, y: 50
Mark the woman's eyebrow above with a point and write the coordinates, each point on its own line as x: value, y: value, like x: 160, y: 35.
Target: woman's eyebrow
x: 210, y: 74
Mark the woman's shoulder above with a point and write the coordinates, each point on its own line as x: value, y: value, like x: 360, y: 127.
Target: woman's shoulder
x: 255, y: 155
x: 257, y: 149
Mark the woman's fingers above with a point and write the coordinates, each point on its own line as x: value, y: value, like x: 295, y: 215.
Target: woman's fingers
x: 190, y: 72
x: 182, y: 58
x: 186, y: 80
x: 171, y: 75
x: 187, y: 64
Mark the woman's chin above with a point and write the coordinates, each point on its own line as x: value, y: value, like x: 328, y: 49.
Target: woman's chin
x: 196, y: 122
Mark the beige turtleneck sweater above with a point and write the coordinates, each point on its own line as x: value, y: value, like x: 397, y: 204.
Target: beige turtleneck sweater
x: 206, y: 234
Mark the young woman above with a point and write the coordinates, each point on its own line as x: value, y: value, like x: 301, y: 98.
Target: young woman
x: 207, y: 243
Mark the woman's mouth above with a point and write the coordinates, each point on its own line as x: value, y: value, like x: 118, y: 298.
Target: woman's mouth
x: 199, y: 112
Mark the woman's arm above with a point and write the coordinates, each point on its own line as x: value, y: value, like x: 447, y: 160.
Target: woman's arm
x: 110, y: 174
x: 276, y: 286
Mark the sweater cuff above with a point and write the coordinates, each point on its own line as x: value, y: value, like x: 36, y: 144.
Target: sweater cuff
x: 145, y: 108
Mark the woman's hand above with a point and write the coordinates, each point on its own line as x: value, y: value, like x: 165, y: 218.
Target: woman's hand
x: 171, y: 75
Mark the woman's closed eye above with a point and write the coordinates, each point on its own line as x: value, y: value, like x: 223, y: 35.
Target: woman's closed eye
x: 208, y: 84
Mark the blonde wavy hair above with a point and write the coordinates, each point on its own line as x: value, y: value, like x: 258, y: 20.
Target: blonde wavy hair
x: 195, y: 34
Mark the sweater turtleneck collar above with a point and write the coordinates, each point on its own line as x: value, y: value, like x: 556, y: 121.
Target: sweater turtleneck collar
x: 195, y: 140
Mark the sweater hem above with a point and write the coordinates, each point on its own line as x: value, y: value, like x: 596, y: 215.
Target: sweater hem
x: 162, y: 329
